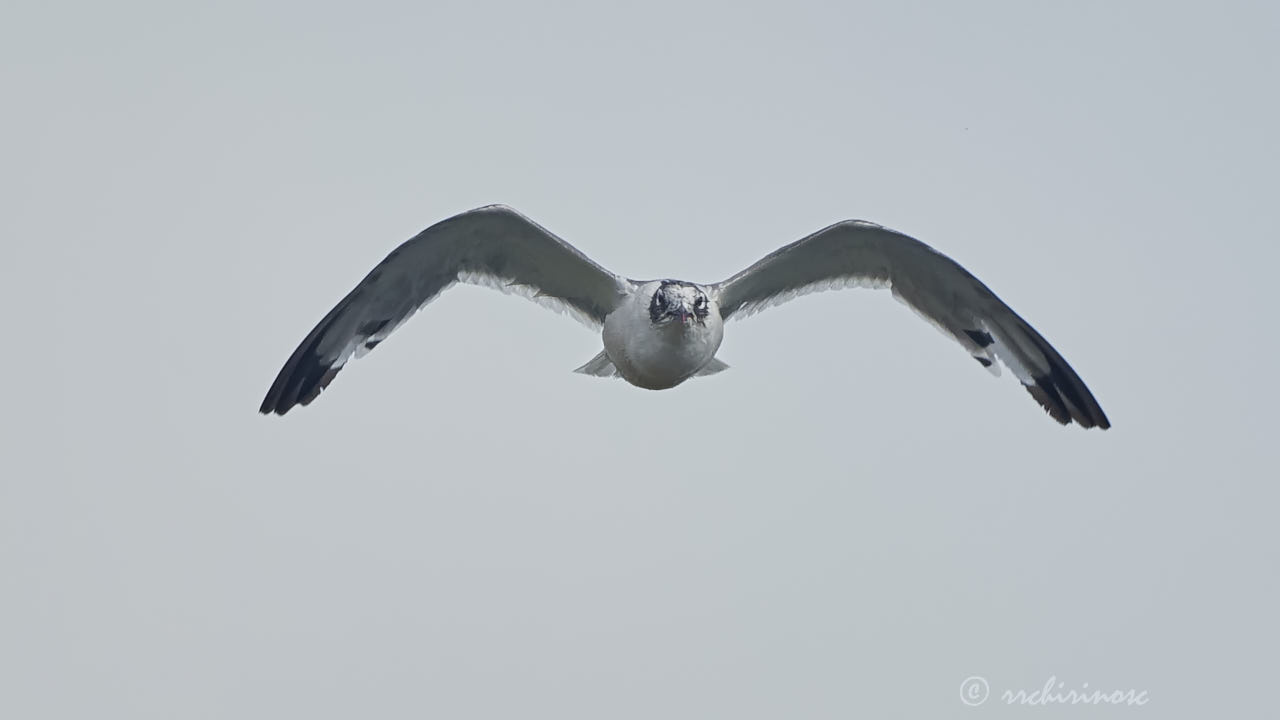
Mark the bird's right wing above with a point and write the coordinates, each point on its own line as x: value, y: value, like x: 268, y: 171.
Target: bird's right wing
x: 494, y: 246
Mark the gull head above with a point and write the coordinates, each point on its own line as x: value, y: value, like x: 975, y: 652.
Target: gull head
x: 679, y: 302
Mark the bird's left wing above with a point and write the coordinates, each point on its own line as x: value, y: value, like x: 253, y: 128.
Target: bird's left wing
x: 494, y: 246
x: 855, y: 253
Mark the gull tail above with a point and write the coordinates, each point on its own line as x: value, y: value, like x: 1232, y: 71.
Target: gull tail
x: 711, y: 368
x: 602, y: 366
x: 599, y: 366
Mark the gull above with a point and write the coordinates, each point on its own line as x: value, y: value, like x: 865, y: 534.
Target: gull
x: 659, y: 333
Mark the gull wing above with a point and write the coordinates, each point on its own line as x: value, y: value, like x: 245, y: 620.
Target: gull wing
x: 494, y: 246
x: 856, y: 253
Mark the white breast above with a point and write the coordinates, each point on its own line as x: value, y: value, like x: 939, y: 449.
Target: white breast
x: 657, y: 357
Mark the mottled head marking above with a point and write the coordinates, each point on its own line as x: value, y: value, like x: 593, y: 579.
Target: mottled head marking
x: 675, y: 299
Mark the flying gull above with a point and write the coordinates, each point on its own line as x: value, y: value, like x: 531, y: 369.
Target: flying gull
x: 659, y: 333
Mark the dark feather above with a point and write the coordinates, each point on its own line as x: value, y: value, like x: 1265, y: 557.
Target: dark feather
x: 1061, y: 391
x: 305, y: 374
x: 981, y: 337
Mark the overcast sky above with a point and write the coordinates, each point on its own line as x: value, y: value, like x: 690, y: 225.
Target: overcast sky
x: 848, y: 523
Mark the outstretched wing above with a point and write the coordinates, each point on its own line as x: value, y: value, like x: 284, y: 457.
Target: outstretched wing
x: 855, y: 253
x: 493, y: 245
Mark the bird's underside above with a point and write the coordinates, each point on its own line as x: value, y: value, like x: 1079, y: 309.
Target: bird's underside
x: 660, y: 333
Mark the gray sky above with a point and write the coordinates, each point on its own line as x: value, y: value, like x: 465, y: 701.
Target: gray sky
x: 843, y: 525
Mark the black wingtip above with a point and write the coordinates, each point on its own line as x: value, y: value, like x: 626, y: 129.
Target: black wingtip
x: 1064, y: 396
x: 305, y: 373
x: 1058, y: 389
x: 298, y: 383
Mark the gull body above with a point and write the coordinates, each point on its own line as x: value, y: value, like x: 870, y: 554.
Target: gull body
x: 662, y: 353
x: 658, y: 334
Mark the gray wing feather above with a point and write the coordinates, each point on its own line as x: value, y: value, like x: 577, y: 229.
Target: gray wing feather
x: 493, y: 246
x: 856, y: 253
